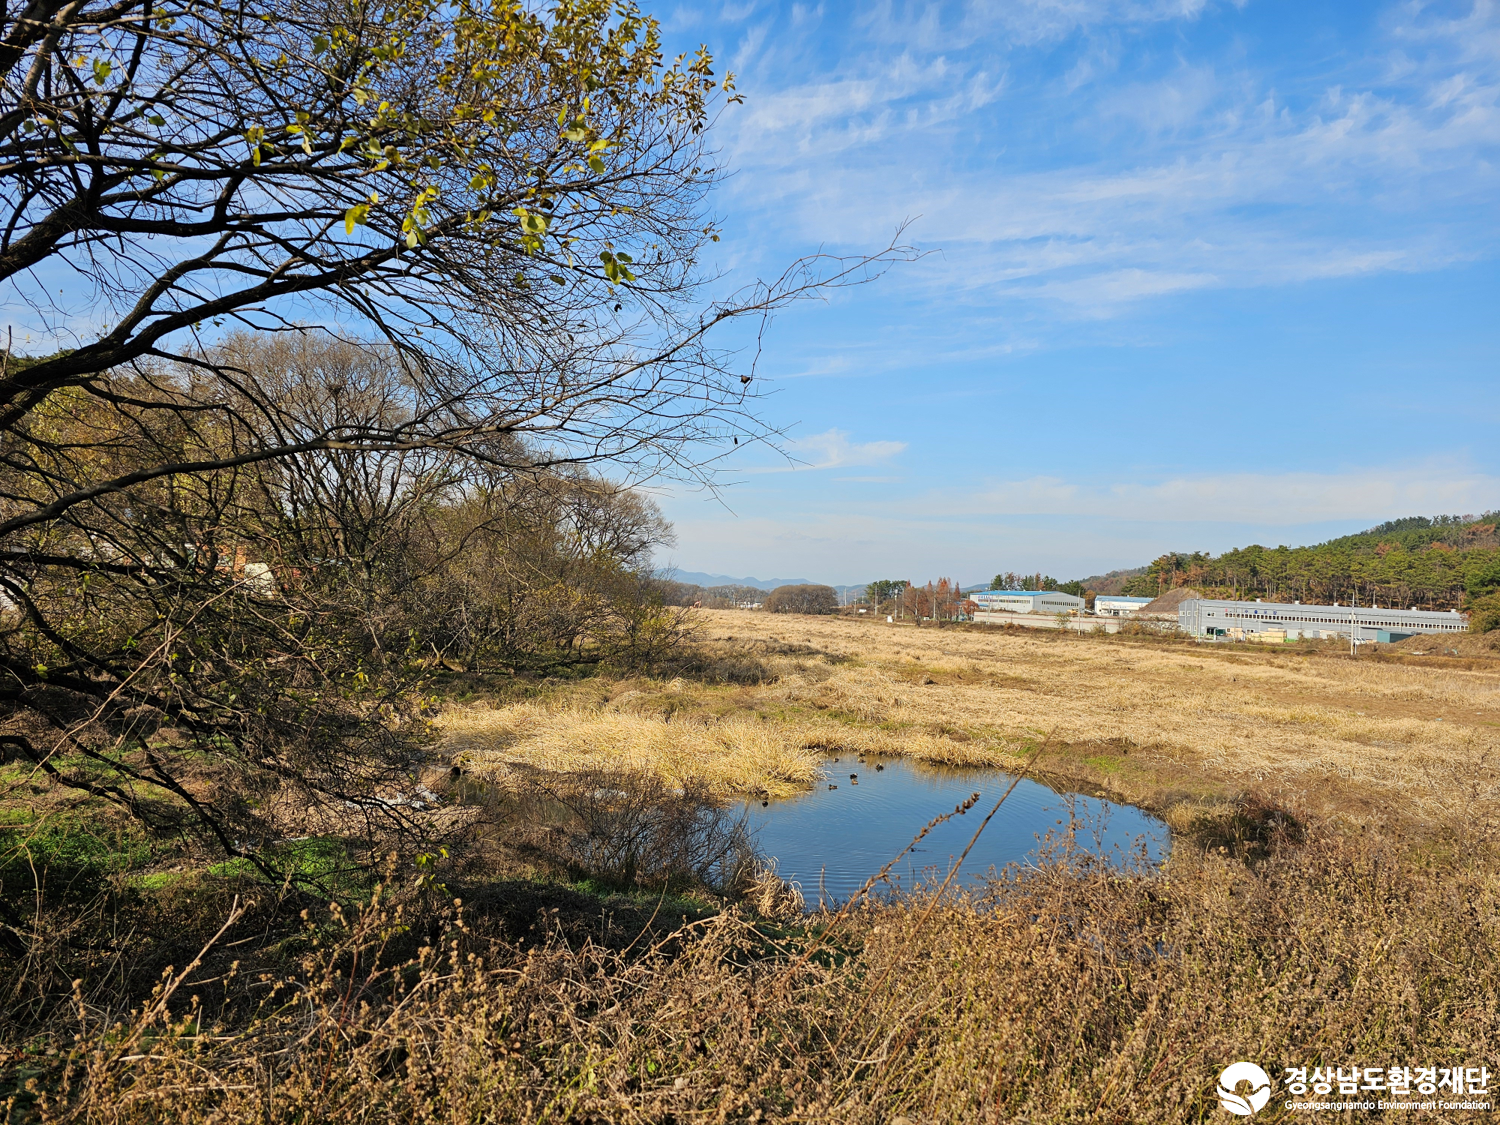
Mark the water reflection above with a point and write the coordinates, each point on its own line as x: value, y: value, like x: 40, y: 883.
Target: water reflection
x: 829, y: 841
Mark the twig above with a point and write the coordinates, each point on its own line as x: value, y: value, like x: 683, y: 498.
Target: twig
x: 124, y: 1051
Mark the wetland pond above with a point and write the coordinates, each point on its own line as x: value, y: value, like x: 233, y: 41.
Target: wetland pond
x: 830, y: 840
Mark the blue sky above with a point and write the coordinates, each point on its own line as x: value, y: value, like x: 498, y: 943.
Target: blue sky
x: 1200, y: 274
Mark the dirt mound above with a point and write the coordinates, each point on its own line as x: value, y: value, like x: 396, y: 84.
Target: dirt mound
x: 1166, y: 605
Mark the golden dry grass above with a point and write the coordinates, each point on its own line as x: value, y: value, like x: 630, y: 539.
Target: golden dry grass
x: 1064, y: 993
x: 736, y: 755
x: 1155, y: 722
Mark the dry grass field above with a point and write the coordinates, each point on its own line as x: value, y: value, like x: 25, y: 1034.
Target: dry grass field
x: 1332, y: 900
x: 1408, y: 741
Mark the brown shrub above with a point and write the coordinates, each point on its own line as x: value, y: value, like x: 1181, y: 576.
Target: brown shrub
x: 633, y: 830
x: 1063, y: 992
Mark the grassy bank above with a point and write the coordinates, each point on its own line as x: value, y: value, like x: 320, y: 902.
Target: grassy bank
x: 1333, y: 900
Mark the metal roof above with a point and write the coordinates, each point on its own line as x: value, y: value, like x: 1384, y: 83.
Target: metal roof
x: 1023, y: 593
x: 1283, y: 609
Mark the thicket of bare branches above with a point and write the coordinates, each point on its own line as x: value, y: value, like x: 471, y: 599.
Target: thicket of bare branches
x: 475, y: 232
x: 236, y: 654
x: 807, y: 598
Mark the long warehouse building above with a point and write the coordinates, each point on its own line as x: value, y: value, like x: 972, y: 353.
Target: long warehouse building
x: 1026, y: 601
x: 1200, y: 617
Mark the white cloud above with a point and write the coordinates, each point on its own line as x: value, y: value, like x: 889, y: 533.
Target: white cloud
x: 1248, y: 498
x: 832, y: 449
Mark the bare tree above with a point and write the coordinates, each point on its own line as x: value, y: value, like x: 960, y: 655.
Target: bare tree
x: 206, y: 546
x: 511, y: 200
x: 230, y: 654
x: 810, y: 598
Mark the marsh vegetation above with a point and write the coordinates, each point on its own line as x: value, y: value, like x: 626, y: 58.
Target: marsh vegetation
x: 1332, y: 897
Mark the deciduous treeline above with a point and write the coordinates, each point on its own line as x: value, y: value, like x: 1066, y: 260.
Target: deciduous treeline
x: 942, y: 600
x: 235, y: 654
x: 732, y: 596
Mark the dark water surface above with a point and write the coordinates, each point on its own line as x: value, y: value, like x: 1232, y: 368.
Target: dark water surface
x: 829, y: 841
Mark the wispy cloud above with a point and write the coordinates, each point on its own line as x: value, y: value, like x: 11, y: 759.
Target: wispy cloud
x: 832, y: 449
x: 1090, y: 172
x: 1095, y: 189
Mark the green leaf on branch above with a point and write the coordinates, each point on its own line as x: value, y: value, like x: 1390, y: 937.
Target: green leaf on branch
x: 531, y: 222
x: 357, y: 215
x: 616, y: 267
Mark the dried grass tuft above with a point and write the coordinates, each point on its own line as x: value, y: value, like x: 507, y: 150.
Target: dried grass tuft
x: 737, y: 755
x: 1060, y: 993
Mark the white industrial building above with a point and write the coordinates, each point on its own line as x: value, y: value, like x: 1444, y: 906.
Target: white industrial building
x: 1278, y: 621
x: 1118, y: 605
x: 1026, y: 601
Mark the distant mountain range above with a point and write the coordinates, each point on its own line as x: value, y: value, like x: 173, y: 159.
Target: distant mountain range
x: 699, y: 578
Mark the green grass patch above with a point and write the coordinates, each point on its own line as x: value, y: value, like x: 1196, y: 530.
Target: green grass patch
x: 69, y: 847
x: 321, y: 861
x: 672, y: 905
x: 156, y: 880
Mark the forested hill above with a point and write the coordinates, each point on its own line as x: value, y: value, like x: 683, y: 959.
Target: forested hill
x: 1449, y: 562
